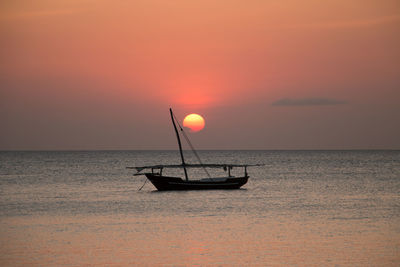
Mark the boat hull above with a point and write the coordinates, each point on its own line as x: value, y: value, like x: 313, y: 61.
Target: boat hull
x: 164, y: 183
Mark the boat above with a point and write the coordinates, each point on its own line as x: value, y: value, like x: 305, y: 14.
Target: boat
x: 154, y: 173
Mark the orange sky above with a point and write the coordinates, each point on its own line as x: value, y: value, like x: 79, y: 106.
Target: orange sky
x: 264, y: 74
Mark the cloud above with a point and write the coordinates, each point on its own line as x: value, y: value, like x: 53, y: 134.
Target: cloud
x: 38, y: 14
x: 308, y: 102
x: 350, y: 23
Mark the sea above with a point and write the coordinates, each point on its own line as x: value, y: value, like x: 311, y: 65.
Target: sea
x: 302, y: 208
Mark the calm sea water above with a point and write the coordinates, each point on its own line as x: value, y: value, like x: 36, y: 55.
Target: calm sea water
x: 303, y: 208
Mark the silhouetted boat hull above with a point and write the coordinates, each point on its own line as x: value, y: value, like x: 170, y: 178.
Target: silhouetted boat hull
x: 164, y: 183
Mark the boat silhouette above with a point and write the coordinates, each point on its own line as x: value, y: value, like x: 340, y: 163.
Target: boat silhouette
x: 154, y: 173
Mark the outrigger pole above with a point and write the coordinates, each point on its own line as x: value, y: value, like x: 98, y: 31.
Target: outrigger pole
x: 179, y: 143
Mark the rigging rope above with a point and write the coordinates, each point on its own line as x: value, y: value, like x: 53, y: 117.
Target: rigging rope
x: 194, y: 150
x: 145, y: 181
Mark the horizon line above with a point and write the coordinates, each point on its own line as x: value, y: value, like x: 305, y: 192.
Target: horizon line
x: 104, y: 150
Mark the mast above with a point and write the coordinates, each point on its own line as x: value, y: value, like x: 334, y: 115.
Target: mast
x: 179, y: 143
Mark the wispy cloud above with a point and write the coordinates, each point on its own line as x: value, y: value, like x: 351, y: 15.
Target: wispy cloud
x: 39, y: 13
x: 349, y: 23
x: 308, y: 102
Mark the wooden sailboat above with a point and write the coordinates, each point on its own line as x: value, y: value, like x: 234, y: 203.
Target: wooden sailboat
x: 162, y: 183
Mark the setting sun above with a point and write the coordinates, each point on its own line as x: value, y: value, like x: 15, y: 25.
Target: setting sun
x: 194, y: 122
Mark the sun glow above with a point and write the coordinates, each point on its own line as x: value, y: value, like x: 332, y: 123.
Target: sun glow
x: 194, y: 122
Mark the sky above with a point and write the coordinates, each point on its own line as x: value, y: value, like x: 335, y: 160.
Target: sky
x: 287, y: 74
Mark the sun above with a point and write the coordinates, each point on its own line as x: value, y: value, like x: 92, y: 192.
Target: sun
x: 194, y: 122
